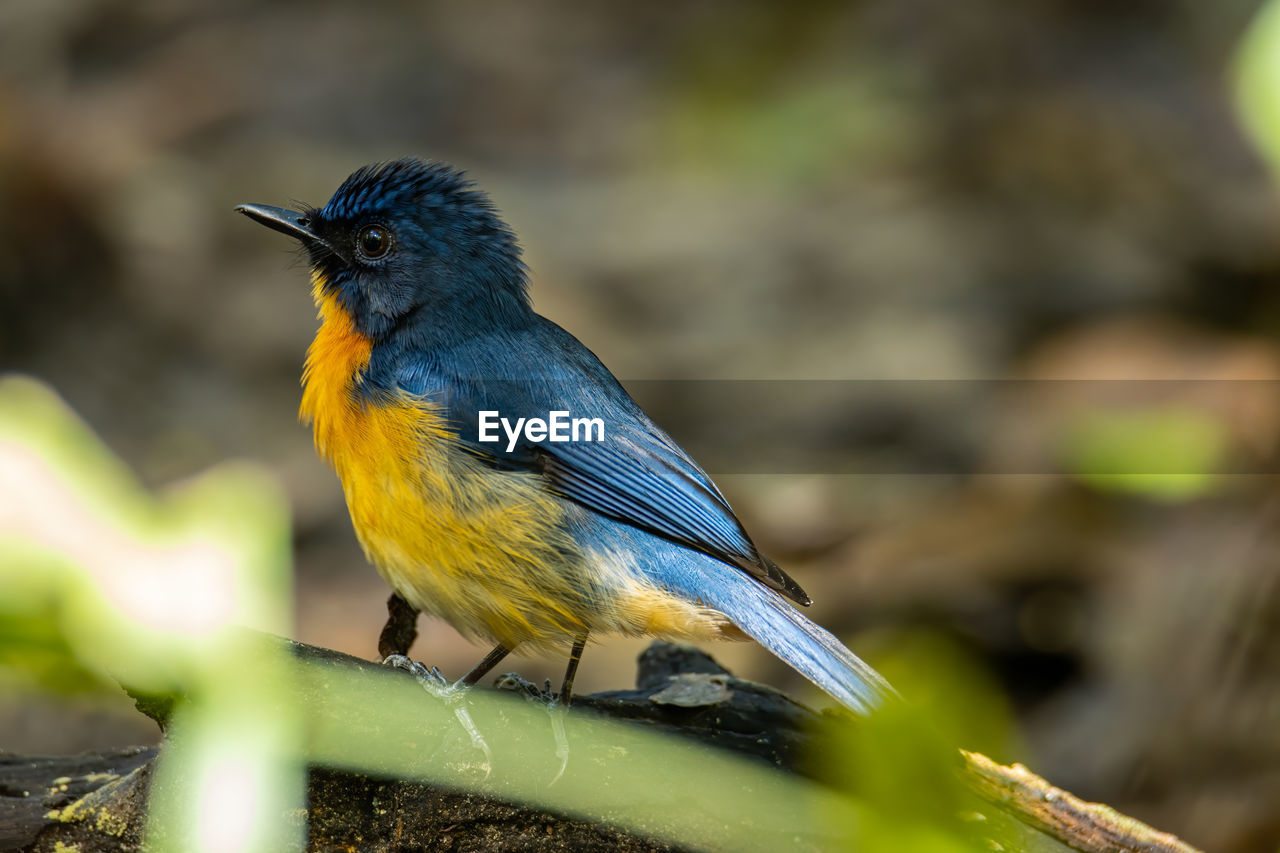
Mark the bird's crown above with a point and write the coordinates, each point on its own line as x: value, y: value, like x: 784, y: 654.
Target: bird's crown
x: 415, y: 233
x: 401, y: 185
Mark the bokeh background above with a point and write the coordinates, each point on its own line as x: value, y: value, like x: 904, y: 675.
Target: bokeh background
x: 879, y: 234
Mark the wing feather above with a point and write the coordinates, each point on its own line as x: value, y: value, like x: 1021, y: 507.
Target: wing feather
x: 637, y: 475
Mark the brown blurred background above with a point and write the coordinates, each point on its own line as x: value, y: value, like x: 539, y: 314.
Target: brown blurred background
x: 871, y: 193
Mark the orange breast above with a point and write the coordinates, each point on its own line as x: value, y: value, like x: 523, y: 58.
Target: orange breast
x: 336, y: 361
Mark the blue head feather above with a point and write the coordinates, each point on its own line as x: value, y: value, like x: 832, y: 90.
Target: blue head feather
x: 453, y: 264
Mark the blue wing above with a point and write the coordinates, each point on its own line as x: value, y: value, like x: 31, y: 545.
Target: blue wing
x: 637, y: 475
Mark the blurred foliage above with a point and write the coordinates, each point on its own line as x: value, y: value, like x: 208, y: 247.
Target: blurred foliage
x: 902, y: 762
x: 1258, y: 82
x: 100, y: 583
x: 125, y: 580
x: 1171, y: 454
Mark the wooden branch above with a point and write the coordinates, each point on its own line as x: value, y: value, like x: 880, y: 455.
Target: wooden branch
x: 97, y: 802
x: 1083, y: 826
x: 98, y: 798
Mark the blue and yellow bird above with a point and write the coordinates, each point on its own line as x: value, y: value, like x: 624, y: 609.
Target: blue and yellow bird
x: 427, y: 339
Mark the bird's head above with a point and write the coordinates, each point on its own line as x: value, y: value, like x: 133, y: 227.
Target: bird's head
x: 408, y: 241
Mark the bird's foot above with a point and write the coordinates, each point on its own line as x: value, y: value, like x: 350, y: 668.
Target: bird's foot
x: 431, y: 678
x: 452, y: 693
x: 556, y: 710
x: 526, y: 688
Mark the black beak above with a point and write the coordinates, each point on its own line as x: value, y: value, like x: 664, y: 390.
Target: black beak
x: 289, y: 222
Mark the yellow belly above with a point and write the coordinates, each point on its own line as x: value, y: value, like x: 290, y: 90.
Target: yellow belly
x: 485, y: 550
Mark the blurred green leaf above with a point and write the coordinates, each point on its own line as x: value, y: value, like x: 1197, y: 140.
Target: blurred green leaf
x: 1166, y: 453
x: 902, y: 762
x: 101, y: 581
x: 1257, y: 81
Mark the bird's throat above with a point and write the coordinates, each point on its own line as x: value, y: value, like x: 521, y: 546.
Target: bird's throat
x: 336, y: 361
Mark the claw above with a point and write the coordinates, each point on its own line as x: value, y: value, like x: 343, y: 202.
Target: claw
x: 558, y: 713
x: 477, y: 740
x: 454, y: 695
x: 513, y: 682
x: 555, y: 708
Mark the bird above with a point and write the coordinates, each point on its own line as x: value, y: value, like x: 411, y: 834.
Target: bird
x: 428, y: 347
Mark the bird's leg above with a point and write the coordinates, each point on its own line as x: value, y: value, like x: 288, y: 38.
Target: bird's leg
x: 434, y: 682
x: 482, y: 669
x: 570, y: 671
x: 401, y: 629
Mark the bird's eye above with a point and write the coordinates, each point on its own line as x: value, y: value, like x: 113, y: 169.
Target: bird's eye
x: 373, y: 242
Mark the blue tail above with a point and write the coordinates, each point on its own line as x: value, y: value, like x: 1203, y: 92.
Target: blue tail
x: 808, y: 648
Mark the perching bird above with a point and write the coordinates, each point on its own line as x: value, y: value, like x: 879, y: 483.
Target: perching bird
x: 427, y: 342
